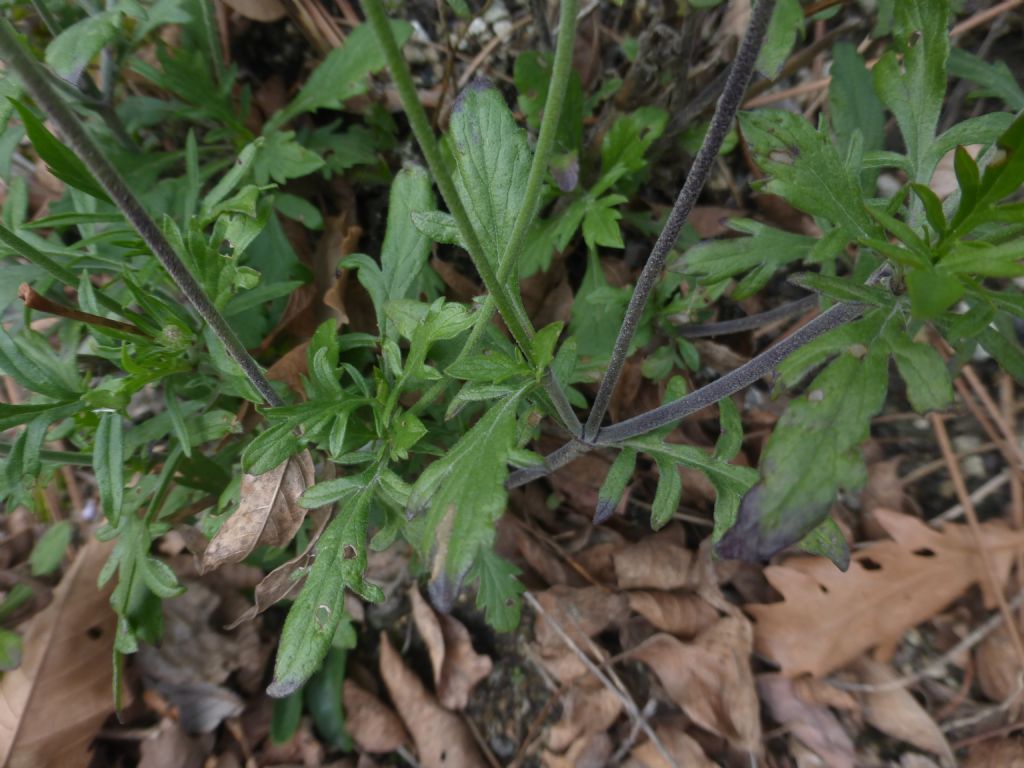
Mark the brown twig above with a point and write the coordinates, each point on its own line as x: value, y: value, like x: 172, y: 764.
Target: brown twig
x: 972, y: 520
x: 35, y: 300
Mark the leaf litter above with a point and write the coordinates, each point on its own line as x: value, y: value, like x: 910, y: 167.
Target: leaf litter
x: 653, y: 613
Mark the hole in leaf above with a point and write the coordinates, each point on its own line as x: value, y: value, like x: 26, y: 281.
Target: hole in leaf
x: 94, y: 633
x: 924, y: 552
x: 869, y: 564
x: 349, y: 553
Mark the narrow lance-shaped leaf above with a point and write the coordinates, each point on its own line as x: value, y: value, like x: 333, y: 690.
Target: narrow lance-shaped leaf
x: 108, y: 465
x: 614, y: 485
x: 320, y: 607
x: 666, y: 498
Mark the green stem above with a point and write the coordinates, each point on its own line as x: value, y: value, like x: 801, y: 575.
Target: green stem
x: 57, y: 457
x: 34, y: 79
x: 560, y: 73
x: 511, y: 313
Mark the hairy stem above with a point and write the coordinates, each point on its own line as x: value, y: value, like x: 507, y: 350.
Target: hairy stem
x: 749, y: 323
x: 729, y: 103
x: 511, y: 311
x: 73, y: 132
x: 727, y: 385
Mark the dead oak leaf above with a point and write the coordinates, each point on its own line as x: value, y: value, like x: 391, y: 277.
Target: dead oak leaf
x: 655, y: 562
x: 268, y: 513
x: 457, y: 667
x: 680, y: 614
x: 895, y: 711
x: 828, y: 618
x: 588, y: 708
x: 54, y: 703
x: 442, y: 739
x: 371, y: 724
x: 684, y: 749
x: 710, y: 679
x: 811, y: 723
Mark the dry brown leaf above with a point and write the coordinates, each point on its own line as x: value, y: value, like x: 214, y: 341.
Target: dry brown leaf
x: 814, y: 725
x: 581, y: 612
x: 895, y: 711
x: 591, y: 751
x: 710, y: 679
x: 291, y: 367
x: 999, y: 671
x: 371, y: 723
x: 286, y: 579
x: 828, y: 618
x: 683, y: 615
x: 258, y: 10
x: 53, y: 704
x: 457, y: 667
x: 655, y: 562
x: 684, y: 749
x: 268, y: 513
x: 442, y: 739
x: 587, y: 708
x: 1005, y: 753
x: 194, y: 658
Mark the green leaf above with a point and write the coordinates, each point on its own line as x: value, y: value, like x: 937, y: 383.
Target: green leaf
x: 323, y: 699
x: 813, y: 452
x: 827, y: 540
x: 730, y: 481
x: 929, y: 387
x: 491, y: 367
x: 932, y: 292
x: 331, y: 491
x: 492, y: 163
x: 72, y: 49
x: 438, y: 226
x: 14, y: 415
x: 786, y: 23
x: 806, y: 169
x: 730, y: 440
x: 543, y: 345
x: 626, y: 143
x: 405, y: 250
x: 108, y: 465
x: 762, y: 254
x: 601, y: 223
x: 666, y: 498
x: 498, y: 590
x: 271, y: 447
x: 614, y: 485
x: 341, y: 75
x: 10, y: 650
x: 854, y: 108
x: 843, y: 289
x: 286, y: 718
x: 340, y: 564
x: 972, y: 258
x: 995, y: 78
x: 464, y: 493
x: 281, y: 157
x: 50, y: 548
x: 1002, y: 177
x: 914, y: 91
x: 59, y: 158
x: 298, y: 209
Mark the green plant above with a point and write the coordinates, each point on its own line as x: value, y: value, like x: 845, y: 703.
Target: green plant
x: 413, y: 429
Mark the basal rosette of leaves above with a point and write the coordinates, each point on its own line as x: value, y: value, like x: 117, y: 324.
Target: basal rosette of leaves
x: 416, y: 428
